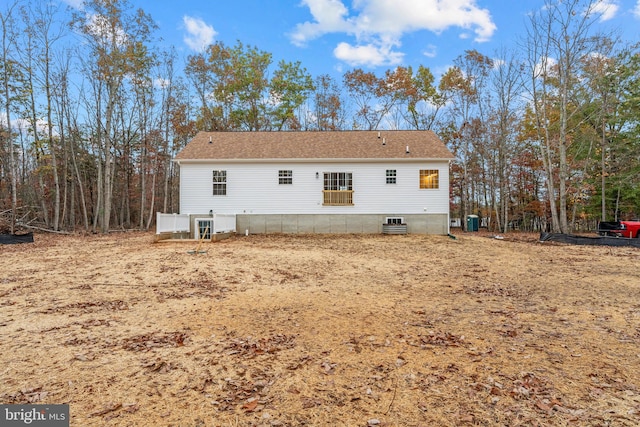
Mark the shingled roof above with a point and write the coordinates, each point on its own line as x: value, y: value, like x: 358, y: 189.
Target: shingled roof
x: 334, y: 145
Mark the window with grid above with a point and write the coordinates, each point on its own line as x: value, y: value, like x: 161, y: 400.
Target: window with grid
x: 285, y: 177
x: 391, y: 176
x: 219, y: 183
x: 429, y: 178
x: 338, y: 189
x: 338, y: 181
x: 393, y: 220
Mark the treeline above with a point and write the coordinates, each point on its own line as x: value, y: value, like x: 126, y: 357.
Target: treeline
x: 546, y: 134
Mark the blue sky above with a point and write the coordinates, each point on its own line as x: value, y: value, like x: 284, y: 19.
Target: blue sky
x: 333, y: 36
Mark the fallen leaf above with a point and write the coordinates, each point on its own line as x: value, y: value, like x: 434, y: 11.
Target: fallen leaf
x: 543, y: 406
x: 130, y: 407
x: 308, y: 402
x: 109, y: 408
x: 328, y: 367
x: 251, y: 405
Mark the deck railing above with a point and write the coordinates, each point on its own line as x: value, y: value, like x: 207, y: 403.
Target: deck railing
x: 224, y: 223
x: 172, y: 223
x: 179, y: 223
x: 337, y: 197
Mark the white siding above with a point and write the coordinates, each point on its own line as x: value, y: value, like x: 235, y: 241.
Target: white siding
x: 253, y: 188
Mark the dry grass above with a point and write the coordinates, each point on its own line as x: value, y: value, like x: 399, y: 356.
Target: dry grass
x: 322, y: 330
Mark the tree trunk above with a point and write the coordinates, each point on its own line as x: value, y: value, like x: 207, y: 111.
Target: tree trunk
x: 153, y: 192
x: 109, y: 164
x: 83, y: 202
x: 603, y: 170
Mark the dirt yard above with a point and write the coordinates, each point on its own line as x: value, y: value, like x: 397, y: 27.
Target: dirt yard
x: 322, y: 331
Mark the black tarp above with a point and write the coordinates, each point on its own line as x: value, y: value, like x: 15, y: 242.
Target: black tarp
x: 9, y: 239
x: 573, y: 239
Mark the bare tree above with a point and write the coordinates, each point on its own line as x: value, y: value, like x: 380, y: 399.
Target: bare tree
x: 328, y: 111
x: 463, y: 87
x: 375, y: 97
x: 116, y: 39
x: 558, y: 38
x: 69, y: 121
x: 40, y: 19
x: 9, y: 70
x: 506, y: 87
x: 166, y: 73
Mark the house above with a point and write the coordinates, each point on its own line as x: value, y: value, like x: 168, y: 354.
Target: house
x: 317, y: 182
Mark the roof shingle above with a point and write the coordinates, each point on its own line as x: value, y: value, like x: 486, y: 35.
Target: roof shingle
x: 338, y: 145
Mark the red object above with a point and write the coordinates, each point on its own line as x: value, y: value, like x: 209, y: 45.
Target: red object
x: 629, y: 229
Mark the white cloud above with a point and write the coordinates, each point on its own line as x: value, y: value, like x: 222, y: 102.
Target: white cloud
x: 607, y: 9
x: 378, y: 25
x: 330, y: 17
x: 161, y: 83
x: 24, y: 126
x: 636, y: 10
x: 199, y: 34
x: 545, y: 66
x: 440, y: 70
x: 431, y: 51
x: 76, y: 4
x: 401, y: 16
x: 369, y: 54
x: 100, y: 27
x: 497, y: 63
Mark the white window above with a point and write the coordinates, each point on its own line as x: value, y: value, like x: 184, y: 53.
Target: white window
x: 429, y: 178
x: 394, y: 220
x: 285, y: 177
x: 338, y: 189
x: 338, y: 181
x: 391, y: 176
x: 204, y: 228
x: 219, y: 183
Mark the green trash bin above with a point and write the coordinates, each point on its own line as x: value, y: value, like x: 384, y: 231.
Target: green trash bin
x: 473, y: 222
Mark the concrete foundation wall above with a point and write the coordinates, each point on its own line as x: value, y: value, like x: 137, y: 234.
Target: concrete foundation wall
x: 337, y: 223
